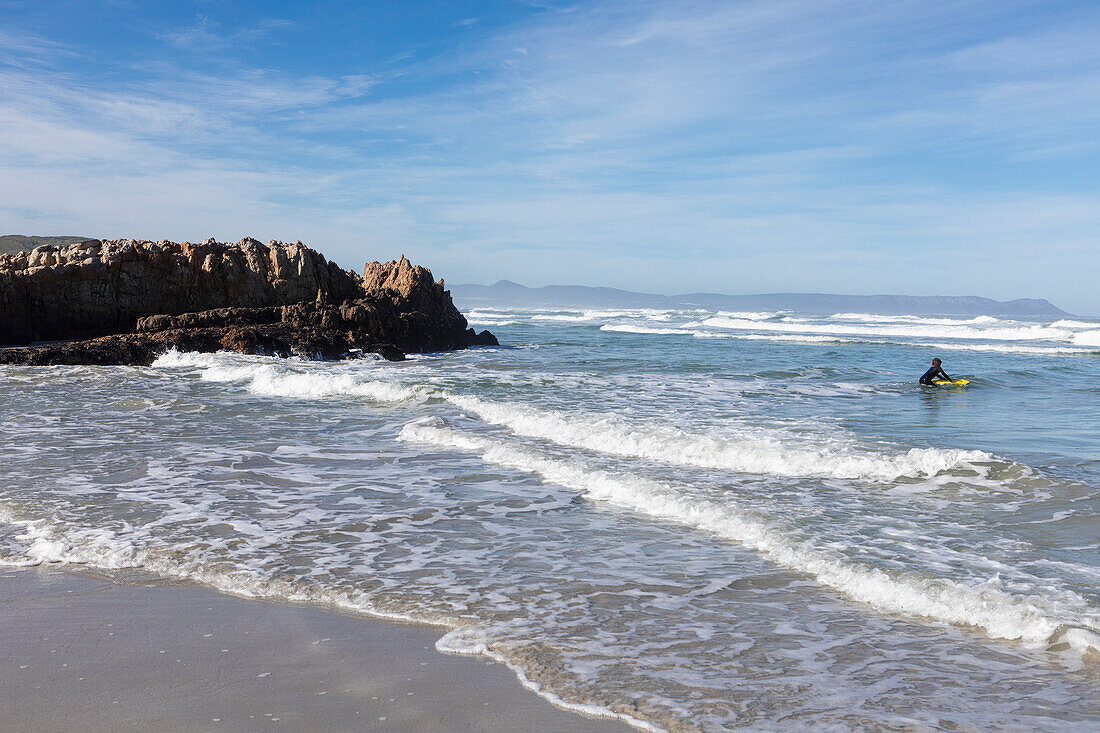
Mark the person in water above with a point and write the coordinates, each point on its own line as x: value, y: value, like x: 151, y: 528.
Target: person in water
x: 935, y: 373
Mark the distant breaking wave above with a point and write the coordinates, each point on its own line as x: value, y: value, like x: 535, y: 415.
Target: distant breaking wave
x: 1021, y: 333
x: 1089, y: 338
x: 1079, y: 350
x: 630, y: 328
x: 873, y: 318
x: 976, y: 333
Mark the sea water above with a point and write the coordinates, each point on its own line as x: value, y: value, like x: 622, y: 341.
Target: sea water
x: 692, y: 520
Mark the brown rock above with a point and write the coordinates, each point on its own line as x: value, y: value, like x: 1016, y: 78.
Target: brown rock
x: 96, y: 288
x: 409, y: 305
x: 136, y: 299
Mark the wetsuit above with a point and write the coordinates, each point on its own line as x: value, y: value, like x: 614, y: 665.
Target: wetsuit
x: 935, y: 373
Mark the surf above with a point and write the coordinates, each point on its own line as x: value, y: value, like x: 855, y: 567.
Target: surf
x: 761, y: 452
x: 1001, y: 615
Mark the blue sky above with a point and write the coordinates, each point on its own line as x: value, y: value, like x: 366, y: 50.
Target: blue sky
x: 806, y: 145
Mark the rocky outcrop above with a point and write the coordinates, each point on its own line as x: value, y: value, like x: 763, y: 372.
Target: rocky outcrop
x: 132, y: 300
x: 96, y: 288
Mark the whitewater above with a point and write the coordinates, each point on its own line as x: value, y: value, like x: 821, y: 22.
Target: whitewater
x: 689, y: 520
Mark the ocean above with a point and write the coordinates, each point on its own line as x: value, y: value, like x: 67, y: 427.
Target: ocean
x: 693, y: 520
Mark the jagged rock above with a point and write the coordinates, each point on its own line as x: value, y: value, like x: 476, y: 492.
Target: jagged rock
x: 139, y: 298
x: 404, y: 304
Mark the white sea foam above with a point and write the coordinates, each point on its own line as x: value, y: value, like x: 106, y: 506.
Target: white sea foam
x: 1069, y: 323
x: 1020, y: 333
x: 174, y: 358
x: 956, y: 346
x: 491, y: 319
x: 749, y: 315
x: 845, y: 335
x: 1088, y: 338
x: 1008, y: 348
x: 629, y: 328
x: 270, y: 382
x: 760, y: 454
x: 597, y: 314
x: 562, y: 318
x: 490, y: 313
x: 43, y: 544
x: 875, y: 318
x: 1034, y: 620
x: 471, y: 640
x: 275, y: 380
x: 798, y: 339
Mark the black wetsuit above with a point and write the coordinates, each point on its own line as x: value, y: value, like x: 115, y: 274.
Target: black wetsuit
x: 934, y: 373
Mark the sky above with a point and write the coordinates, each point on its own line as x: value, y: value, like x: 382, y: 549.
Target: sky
x: 911, y: 147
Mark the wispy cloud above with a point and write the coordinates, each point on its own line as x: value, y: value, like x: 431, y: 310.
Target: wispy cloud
x: 204, y: 34
x: 22, y: 50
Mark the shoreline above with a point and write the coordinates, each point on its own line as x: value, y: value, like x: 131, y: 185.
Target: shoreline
x: 85, y: 652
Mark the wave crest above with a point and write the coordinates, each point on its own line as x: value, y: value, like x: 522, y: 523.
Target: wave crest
x: 1001, y: 614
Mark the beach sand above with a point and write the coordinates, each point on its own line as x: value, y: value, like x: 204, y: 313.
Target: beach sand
x: 85, y: 654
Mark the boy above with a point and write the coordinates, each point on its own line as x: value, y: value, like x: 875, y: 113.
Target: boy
x: 935, y: 373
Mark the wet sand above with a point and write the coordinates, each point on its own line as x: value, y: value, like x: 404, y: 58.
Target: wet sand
x: 82, y: 653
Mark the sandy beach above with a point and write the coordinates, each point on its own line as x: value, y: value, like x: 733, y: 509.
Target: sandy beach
x: 84, y: 653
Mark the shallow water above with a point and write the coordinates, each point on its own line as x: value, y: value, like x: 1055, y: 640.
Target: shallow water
x: 698, y: 520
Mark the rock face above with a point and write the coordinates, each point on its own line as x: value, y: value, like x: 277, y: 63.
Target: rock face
x: 133, y: 300
x: 96, y: 288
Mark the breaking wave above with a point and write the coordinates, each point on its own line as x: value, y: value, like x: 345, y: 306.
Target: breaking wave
x: 1018, y: 333
x: 1002, y: 615
x: 273, y: 380
x: 1081, y: 349
x: 759, y: 454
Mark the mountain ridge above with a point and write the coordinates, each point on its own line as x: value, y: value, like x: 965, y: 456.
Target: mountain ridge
x: 11, y: 244
x: 509, y: 293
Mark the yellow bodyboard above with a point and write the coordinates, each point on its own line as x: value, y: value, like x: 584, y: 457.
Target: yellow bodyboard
x: 955, y: 383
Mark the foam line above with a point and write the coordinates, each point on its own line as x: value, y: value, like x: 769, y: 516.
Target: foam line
x: 469, y: 640
x: 1002, y: 615
x: 274, y: 380
x: 629, y: 328
x: 993, y: 348
x: 1070, y: 323
x: 1020, y: 333
x: 46, y: 544
x: 762, y: 455
x: 875, y: 318
x: 1088, y: 338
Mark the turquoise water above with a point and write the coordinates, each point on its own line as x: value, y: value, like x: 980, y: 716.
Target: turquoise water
x: 693, y: 520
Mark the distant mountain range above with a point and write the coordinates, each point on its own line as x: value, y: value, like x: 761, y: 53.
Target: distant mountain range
x: 510, y: 295
x: 12, y: 243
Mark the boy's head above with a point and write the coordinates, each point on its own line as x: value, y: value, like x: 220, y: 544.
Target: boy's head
x: 936, y: 362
